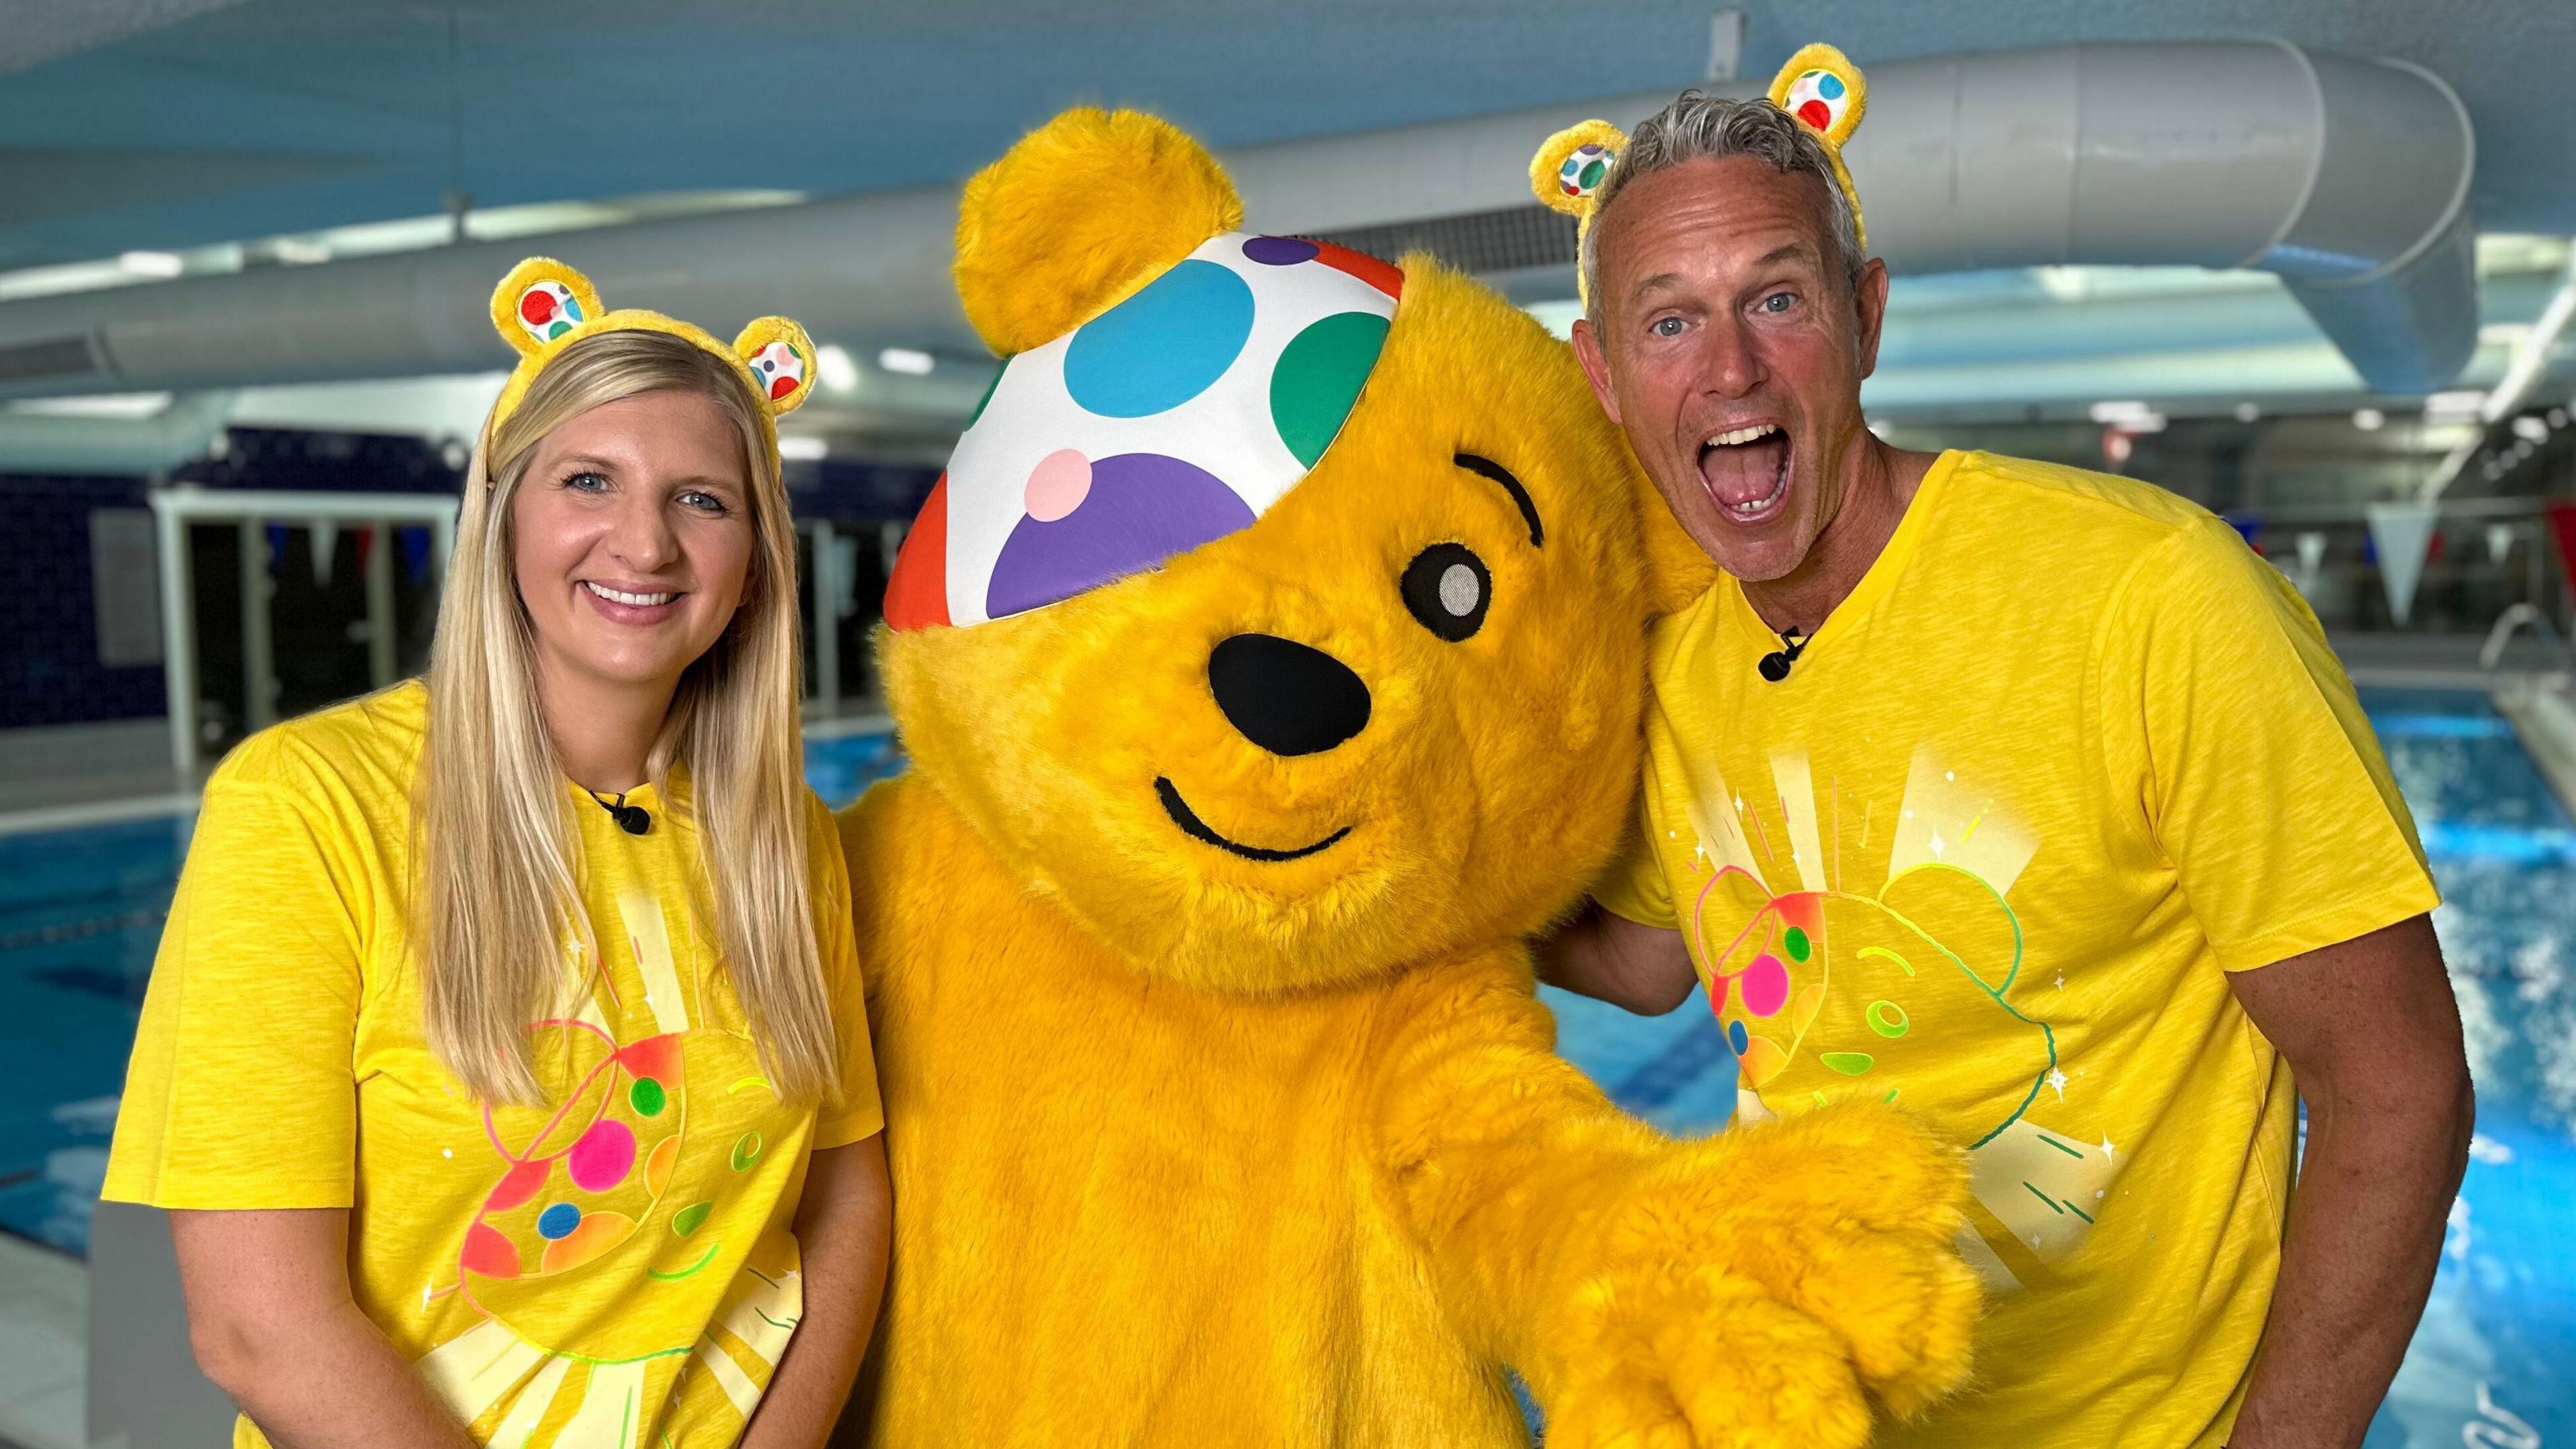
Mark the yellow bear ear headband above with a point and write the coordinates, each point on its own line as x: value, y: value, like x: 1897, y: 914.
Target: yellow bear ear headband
x: 543, y: 307
x: 1820, y: 88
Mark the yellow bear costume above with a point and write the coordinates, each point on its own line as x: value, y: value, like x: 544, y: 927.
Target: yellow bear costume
x: 1220, y: 1106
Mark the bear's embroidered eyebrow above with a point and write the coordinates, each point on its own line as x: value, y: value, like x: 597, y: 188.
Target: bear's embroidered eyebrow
x: 1487, y: 468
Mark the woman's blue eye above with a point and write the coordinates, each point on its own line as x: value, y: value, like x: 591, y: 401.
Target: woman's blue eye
x: 587, y: 482
x: 703, y: 502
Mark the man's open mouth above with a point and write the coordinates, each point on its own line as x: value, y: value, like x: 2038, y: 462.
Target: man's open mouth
x: 1186, y: 818
x: 1746, y: 470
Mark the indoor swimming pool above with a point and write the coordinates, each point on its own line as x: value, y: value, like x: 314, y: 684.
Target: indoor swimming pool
x: 80, y: 910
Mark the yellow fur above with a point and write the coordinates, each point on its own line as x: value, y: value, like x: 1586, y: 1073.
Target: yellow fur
x: 1083, y: 211
x: 1196, y: 1150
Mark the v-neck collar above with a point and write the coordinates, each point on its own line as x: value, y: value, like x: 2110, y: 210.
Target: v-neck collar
x: 1881, y: 575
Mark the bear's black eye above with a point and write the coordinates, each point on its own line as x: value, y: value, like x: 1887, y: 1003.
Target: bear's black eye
x: 1447, y: 588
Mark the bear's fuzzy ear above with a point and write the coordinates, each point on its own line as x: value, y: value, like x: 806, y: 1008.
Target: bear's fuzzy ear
x: 1082, y: 212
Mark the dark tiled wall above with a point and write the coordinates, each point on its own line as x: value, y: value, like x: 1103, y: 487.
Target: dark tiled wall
x: 49, y: 667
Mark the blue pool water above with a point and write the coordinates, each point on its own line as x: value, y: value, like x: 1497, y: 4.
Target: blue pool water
x: 80, y: 911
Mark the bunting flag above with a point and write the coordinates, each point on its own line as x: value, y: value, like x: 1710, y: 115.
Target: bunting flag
x: 2562, y: 528
x: 2312, y: 557
x: 2250, y: 526
x: 413, y: 545
x: 326, y: 544
x: 2403, y: 533
x: 2499, y: 542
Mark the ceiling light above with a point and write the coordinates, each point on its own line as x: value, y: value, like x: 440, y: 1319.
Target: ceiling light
x: 2129, y: 416
x: 908, y: 360
x: 2368, y: 419
x: 300, y: 251
x: 2453, y: 407
x: 839, y: 373
x: 123, y: 405
x: 804, y: 450
x: 2530, y: 429
x: 2558, y: 417
x: 2247, y: 412
x: 152, y: 264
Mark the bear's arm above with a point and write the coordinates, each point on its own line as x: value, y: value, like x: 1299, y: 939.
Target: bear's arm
x: 1500, y: 1155
x: 1605, y: 1261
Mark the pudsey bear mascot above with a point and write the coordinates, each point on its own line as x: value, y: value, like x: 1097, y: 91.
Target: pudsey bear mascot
x: 1270, y: 658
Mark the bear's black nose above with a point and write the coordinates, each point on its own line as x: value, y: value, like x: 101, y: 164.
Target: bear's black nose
x: 1286, y: 697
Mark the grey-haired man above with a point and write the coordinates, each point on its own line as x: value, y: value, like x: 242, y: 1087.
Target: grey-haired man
x: 2031, y: 800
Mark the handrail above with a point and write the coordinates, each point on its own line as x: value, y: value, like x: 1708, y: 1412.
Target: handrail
x: 2491, y: 653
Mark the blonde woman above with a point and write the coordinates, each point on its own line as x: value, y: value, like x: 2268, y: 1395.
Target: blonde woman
x: 503, y: 1065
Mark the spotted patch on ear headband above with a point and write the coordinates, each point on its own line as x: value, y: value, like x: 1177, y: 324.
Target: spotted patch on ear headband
x: 1819, y: 98
x: 1172, y: 419
x: 549, y: 310
x: 779, y: 369
x: 1585, y: 168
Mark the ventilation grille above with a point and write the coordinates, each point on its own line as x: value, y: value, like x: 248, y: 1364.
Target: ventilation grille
x: 53, y: 357
x: 1480, y: 241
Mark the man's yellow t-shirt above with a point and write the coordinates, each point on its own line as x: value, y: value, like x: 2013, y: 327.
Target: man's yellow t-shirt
x: 615, y: 1268
x: 2068, y: 754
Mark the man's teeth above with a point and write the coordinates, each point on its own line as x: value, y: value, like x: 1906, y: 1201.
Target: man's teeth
x: 1741, y: 436
x: 1779, y: 485
x: 615, y: 596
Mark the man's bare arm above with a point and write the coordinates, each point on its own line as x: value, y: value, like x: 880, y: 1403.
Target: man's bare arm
x: 1604, y: 955
x: 2372, y: 1035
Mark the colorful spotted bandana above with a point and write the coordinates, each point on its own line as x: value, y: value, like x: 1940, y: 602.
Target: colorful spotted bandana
x: 1172, y: 419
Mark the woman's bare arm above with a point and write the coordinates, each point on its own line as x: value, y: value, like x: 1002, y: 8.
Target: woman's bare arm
x: 842, y: 1227
x: 272, y: 1323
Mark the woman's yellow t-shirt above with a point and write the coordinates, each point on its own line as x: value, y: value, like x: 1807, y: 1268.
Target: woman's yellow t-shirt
x: 615, y: 1268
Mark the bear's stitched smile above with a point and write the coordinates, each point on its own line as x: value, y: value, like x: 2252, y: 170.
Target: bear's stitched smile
x: 1186, y: 818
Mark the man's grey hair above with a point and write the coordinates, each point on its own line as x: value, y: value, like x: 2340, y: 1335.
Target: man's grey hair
x: 1699, y: 127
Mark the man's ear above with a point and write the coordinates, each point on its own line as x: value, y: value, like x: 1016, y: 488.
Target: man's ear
x: 1596, y: 367
x: 1869, y: 298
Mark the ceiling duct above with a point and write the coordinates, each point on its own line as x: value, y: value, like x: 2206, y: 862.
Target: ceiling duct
x: 124, y: 447
x: 2348, y: 178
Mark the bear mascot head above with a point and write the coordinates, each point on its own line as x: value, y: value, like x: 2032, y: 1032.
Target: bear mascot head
x: 1308, y: 588
x: 1270, y: 658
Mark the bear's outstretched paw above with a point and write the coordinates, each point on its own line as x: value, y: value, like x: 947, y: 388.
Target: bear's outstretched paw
x: 1848, y: 1214
x: 1682, y: 1357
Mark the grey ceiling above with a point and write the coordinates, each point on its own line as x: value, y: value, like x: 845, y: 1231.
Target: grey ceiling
x: 178, y: 122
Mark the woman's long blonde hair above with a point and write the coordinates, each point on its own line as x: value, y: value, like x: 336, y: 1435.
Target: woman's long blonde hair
x: 499, y: 846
